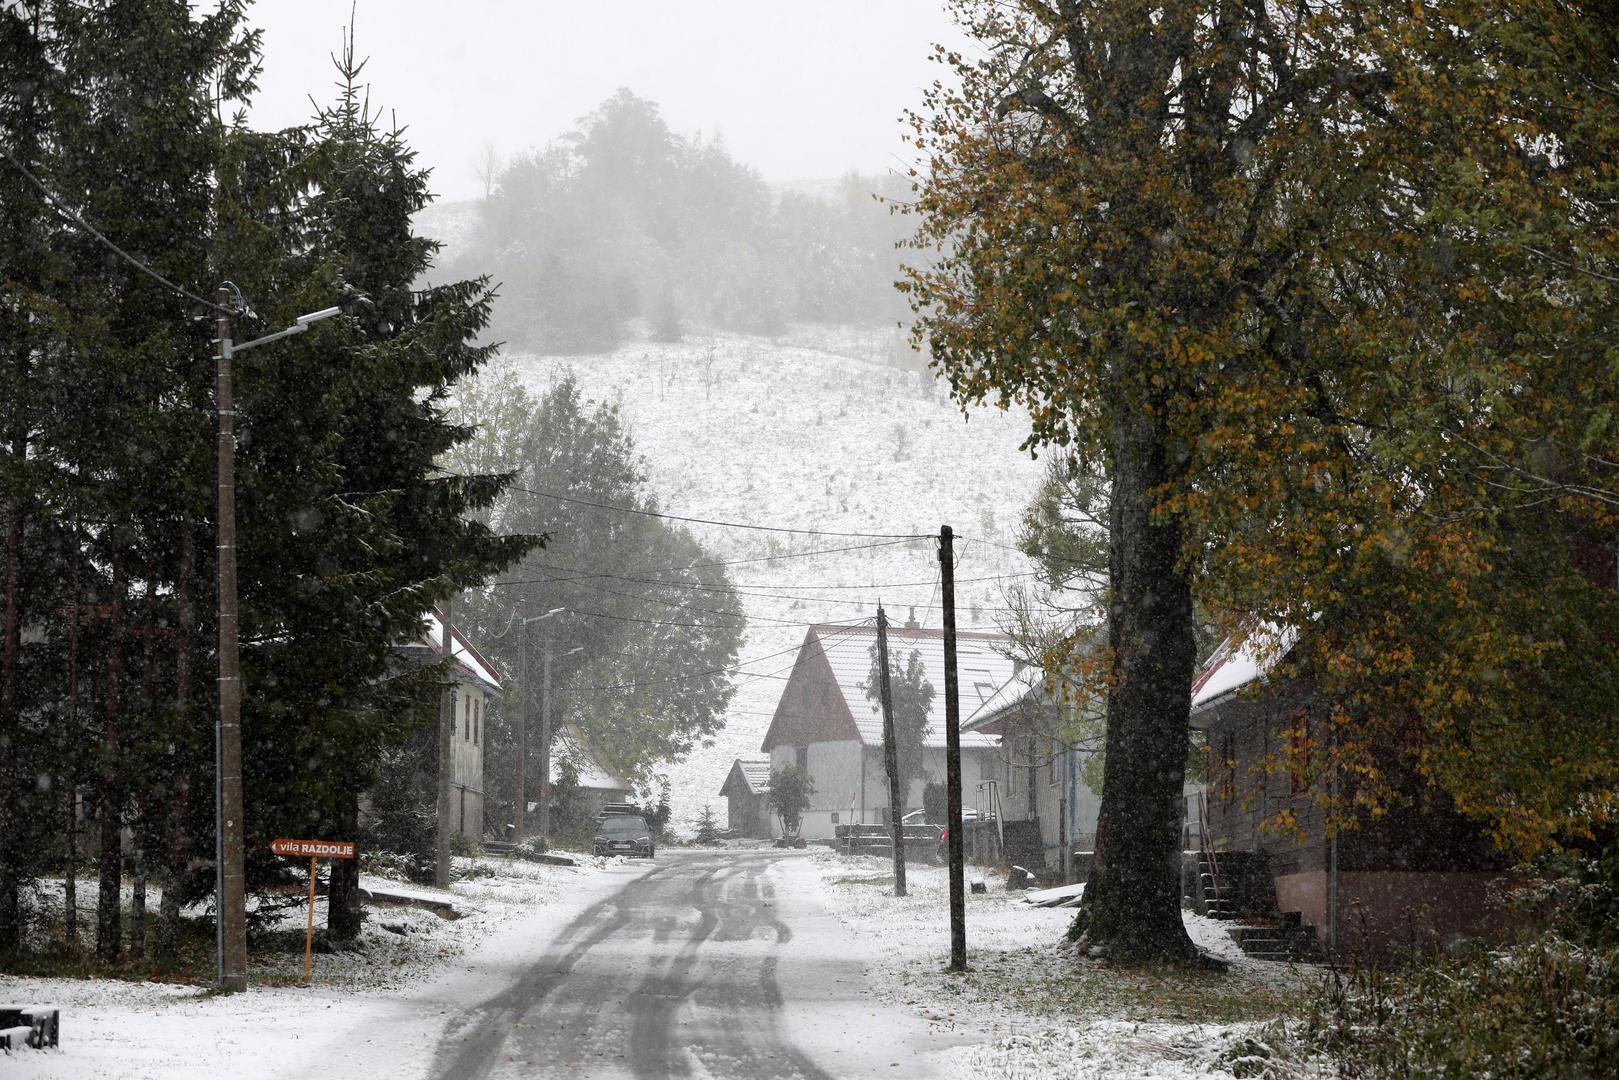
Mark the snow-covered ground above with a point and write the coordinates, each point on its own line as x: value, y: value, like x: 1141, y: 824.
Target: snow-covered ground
x: 376, y: 1011
x: 1029, y: 1006
x: 806, y: 431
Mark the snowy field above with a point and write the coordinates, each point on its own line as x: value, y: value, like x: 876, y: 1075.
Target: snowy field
x: 376, y: 1011
x: 803, y: 431
x: 1029, y: 1007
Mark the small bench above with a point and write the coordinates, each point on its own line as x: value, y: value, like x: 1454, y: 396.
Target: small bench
x: 37, y: 1026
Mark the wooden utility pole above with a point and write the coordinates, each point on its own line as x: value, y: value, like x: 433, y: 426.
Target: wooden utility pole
x: 545, y: 745
x: 522, y: 722
x: 952, y: 754
x: 446, y: 761
x: 230, y: 892
x: 896, y: 801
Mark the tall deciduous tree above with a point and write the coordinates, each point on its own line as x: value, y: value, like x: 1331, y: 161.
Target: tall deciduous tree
x: 1312, y: 310
x: 912, y: 696
x: 1106, y: 192
x: 650, y: 625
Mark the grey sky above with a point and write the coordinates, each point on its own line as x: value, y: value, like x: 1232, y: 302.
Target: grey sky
x: 797, y: 89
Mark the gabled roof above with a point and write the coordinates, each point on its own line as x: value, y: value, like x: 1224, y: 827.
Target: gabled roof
x: 1021, y: 695
x: 468, y: 660
x: 839, y: 656
x: 748, y: 776
x: 591, y: 773
x: 1235, y: 666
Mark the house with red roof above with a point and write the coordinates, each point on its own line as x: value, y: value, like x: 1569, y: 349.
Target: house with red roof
x: 826, y: 723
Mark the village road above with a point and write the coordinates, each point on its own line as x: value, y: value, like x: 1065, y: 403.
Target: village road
x: 691, y: 969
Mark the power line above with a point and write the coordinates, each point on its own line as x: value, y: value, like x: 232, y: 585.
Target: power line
x: 712, y: 521
x: 735, y: 668
x: 73, y: 216
x: 745, y: 589
x: 584, y: 574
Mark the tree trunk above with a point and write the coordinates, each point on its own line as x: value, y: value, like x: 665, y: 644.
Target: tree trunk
x: 70, y: 869
x: 109, y: 914
x: 10, y: 649
x: 343, y: 914
x: 177, y: 846
x: 1131, y: 910
x: 143, y: 830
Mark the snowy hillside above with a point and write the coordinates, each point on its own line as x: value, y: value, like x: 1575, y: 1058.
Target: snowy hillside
x: 804, y: 432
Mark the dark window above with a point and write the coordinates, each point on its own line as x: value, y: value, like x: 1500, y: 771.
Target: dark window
x: 834, y: 817
x: 477, y: 720
x: 802, y: 755
x: 466, y: 719
x: 452, y: 713
x: 1298, y: 751
x: 1226, y: 789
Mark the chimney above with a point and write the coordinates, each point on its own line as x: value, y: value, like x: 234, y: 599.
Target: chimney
x: 911, y: 623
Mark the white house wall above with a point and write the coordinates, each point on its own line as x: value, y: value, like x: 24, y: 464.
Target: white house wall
x: 840, y: 798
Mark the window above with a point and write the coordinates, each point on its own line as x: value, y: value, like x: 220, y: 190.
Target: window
x: 466, y: 719
x: 834, y: 817
x: 452, y: 713
x: 801, y: 756
x: 1051, y: 762
x: 477, y: 720
x: 1226, y: 768
x: 1297, y: 746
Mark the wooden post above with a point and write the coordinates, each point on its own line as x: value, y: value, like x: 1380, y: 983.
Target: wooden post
x: 522, y: 723
x: 545, y: 746
x: 896, y: 801
x: 309, y: 931
x: 446, y: 759
x: 229, y: 882
x: 952, y: 741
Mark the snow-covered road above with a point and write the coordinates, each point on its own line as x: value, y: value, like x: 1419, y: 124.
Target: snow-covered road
x: 714, y: 964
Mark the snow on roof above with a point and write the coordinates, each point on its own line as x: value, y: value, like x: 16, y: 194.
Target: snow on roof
x: 754, y: 773
x: 1011, y: 693
x: 1233, y: 667
x: 980, y: 673
x: 591, y: 774
x: 467, y: 658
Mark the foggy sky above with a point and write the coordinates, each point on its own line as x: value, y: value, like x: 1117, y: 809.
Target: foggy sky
x: 797, y: 88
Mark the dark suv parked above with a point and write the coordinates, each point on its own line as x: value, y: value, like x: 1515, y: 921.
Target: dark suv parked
x: 623, y: 834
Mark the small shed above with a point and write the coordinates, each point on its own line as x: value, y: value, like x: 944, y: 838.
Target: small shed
x: 747, y: 794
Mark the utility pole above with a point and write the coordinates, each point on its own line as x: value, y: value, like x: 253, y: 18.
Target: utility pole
x: 230, y: 891
x: 545, y: 746
x: 896, y: 802
x: 522, y: 721
x: 952, y: 754
x: 446, y: 762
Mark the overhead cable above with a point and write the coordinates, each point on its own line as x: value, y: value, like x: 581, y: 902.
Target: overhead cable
x: 73, y: 216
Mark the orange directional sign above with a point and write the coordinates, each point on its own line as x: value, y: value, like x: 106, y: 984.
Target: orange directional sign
x: 314, y: 849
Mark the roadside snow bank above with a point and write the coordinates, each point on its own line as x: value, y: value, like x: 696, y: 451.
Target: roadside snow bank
x: 1029, y: 1006
x: 370, y: 1011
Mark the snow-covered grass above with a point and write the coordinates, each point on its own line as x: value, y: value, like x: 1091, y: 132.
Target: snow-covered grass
x: 1031, y: 1006
x: 802, y: 431
x: 371, y: 1009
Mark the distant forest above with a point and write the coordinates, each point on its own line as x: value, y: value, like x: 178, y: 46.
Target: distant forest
x: 621, y: 220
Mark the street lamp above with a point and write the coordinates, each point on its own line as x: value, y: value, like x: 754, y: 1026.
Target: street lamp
x: 522, y: 727
x: 230, y: 888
